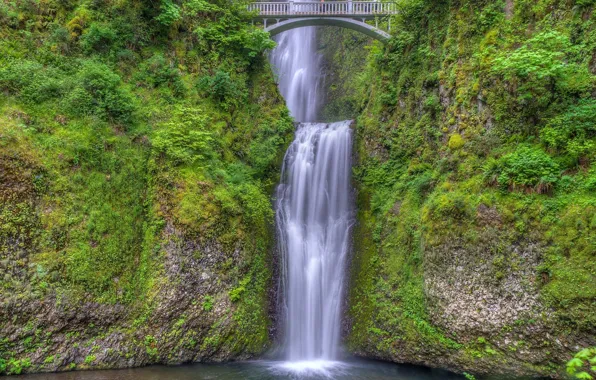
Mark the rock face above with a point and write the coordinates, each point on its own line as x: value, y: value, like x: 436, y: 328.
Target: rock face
x: 475, y: 306
x: 190, y: 317
x: 458, y: 263
x: 108, y: 264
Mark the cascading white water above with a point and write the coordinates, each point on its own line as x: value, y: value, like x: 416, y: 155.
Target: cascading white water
x: 314, y: 217
x: 298, y: 65
x: 314, y: 209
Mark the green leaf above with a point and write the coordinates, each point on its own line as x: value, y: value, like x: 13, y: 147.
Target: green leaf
x: 584, y: 376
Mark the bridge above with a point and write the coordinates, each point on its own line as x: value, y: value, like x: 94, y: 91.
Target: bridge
x: 347, y: 14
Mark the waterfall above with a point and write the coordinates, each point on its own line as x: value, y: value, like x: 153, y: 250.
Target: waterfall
x: 314, y: 217
x: 298, y: 67
x: 314, y: 210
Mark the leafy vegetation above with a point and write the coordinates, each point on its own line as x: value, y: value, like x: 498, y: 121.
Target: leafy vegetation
x: 582, y: 364
x: 475, y: 136
x: 127, y: 128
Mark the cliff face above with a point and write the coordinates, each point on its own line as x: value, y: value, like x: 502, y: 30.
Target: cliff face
x: 139, y: 146
x: 475, y: 244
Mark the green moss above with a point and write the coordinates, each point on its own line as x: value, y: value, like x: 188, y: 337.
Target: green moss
x: 118, y: 123
x: 90, y: 359
x: 208, y: 303
x: 455, y: 142
x: 474, y: 129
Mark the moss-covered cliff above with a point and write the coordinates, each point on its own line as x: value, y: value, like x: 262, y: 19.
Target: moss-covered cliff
x: 476, y: 145
x: 139, y: 144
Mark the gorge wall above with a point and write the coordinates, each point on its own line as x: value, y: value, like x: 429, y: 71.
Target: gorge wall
x: 476, y: 142
x: 139, y: 146
x: 140, y: 143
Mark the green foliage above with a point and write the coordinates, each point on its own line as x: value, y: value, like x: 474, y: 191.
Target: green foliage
x: 236, y: 293
x: 583, y: 364
x: 31, y: 81
x: 170, y: 13
x: 208, y: 303
x: 573, y: 132
x: 98, y: 38
x: 99, y: 92
x: 450, y: 205
x: 157, y: 71
x: 256, y: 206
x: 107, y: 145
x: 222, y: 89
x: 96, y: 90
x: 185, y: 138
x: 516, y: 85
x: 542, y: 73
x: 219, y: 27
x: 16, y: 366
x: 90, y: 359
x: 541, y: 62
x: 150, y: 345
x: 527, y: 168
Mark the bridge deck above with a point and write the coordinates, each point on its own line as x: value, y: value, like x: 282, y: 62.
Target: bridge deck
x: 291, y: 9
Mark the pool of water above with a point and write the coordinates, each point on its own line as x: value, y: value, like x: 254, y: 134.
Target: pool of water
x: 261, y: 370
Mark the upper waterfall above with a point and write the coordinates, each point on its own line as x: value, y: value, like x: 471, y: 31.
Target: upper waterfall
x: 298, y: 66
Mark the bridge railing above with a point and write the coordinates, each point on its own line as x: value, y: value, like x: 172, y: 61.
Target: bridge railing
x: 310, y: 8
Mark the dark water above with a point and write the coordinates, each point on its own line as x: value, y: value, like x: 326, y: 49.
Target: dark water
x: 260, y: 370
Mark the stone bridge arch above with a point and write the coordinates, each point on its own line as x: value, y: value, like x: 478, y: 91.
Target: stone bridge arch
x: 341, y: 22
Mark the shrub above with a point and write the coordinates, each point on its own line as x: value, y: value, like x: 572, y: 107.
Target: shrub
x: 16, y: 367
x: 98, y: 38
x: 8, y: 15
x: 583, y: 364
x: 99, y: 92
x: 590, y: 182
x: 541, y: 73
x: 222, y: 89
x: 151, y: 345
x: 574, y: 131
x: 90, y: 359
x: 450, y: 205
x: 170, y: 13
x: 528, y: 168
x: 184, y: 139
x: 158, y: 72
x: 541, y: 62
x: 31, y: 81
x: 208, y: 303
x: 256, y: 206
x: 236, y: 293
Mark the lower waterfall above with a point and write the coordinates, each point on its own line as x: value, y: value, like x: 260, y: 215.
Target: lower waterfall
x: 314, y: 217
